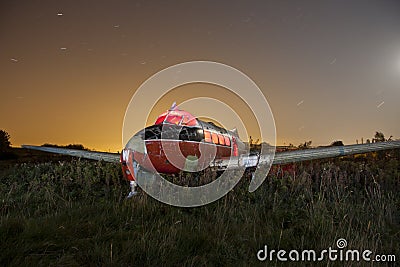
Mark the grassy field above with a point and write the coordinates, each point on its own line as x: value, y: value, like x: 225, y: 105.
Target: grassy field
x: 74, y: 213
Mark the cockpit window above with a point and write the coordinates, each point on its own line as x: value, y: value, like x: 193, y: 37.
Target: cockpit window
x: 170, y: 118
x: 207, y: 136
x: 174, y: 119
x: 189, y: 121
x: 214, y: 137
x: 221, y: 139
x: 177, y: 117
x: 227, y: 141
x: 160, y: 119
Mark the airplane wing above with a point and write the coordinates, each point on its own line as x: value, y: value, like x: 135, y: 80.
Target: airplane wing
x: 330, y: 152
x: 306, y: 154
x: 246, y: 160
x: 108, y: 157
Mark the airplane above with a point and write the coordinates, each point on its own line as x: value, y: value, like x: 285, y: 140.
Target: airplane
x: 199, y: 144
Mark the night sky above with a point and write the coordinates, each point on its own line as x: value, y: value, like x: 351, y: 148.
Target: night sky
x: 330, y: 70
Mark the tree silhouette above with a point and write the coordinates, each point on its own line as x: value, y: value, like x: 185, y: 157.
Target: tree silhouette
x: 305, y: 145
x: 70, y: 146
x: 338, y: 143
x: 379, y: 137
x: 4, y: 141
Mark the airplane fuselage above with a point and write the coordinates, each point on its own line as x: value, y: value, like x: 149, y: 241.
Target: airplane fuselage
x: 178, y: 141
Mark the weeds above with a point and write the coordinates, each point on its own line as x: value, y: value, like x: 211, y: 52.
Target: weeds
x: 75, y: 213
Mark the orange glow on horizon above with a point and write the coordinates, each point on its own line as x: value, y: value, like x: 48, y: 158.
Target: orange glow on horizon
x: 68, y: 79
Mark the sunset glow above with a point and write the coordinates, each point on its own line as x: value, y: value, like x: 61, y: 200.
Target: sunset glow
x: 68, y: 70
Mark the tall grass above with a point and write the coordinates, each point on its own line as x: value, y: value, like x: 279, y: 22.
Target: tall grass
x: 75, y: 213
